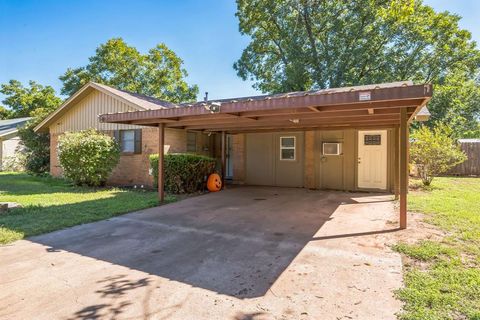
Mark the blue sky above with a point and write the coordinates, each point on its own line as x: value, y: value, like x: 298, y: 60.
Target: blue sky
x: 39, y: 40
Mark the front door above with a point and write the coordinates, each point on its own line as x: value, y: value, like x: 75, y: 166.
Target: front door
x: 372, y: 159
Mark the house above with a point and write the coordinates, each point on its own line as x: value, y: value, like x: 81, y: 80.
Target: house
x: 353, y: 138
x: 9, y: 140
x: 81, y: 111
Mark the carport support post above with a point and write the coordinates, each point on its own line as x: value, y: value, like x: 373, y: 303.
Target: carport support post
x: 403, y: 167
x: 224, y: 158
x: 161, y: 143
x: 396, y: 162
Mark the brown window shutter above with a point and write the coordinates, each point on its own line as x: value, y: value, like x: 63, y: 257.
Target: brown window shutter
x: 138, y: 140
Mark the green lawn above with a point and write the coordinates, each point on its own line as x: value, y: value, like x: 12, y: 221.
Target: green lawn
x: 443, y: 279
x: 50, y: 204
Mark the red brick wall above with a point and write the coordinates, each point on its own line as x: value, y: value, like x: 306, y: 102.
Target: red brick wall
x: 132, y: 169
x: 55, y: 169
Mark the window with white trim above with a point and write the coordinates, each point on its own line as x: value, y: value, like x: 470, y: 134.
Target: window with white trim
x: 287, y: 148
x: 130, y: 141
x: 127, y: 140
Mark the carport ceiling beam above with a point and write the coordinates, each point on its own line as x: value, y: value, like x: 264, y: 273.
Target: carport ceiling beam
x: 285, y: 117
x: 281, y: 124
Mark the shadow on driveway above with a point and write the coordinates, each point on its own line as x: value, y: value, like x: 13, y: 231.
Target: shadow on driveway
x: 236, y: 242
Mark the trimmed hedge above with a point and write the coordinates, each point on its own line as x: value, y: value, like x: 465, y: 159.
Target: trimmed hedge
x: 184, y: 173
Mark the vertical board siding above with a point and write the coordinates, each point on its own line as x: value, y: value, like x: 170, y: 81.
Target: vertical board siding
x: 471, y: 167
x: 84, y: 115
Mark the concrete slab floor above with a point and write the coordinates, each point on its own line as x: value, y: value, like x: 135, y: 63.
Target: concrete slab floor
x: 244, y: 253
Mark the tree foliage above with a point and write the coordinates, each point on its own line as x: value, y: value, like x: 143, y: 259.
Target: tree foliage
x: 303, y: 44
x: 88, y: 157
x: 315, y: 44
x: 456, y: 101
x: 158, y: 73
x: 34, y: 101
x: 28, y: 101
x: 434, y: 151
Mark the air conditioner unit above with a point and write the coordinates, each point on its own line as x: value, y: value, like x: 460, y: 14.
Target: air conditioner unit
x: 332, y: 148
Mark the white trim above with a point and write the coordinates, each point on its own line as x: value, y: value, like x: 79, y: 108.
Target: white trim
x: 294, y: 148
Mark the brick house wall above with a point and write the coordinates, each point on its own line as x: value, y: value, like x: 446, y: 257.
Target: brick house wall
x: 132, y: 169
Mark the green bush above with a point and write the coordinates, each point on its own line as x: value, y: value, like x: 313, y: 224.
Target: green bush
x: 88, y: 157
x: 184, y: 173
x: 37, y: 148
x: 434, y: 152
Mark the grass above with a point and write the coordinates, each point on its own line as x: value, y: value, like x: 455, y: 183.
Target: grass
x: 50, y: 204
x: 443, y: 279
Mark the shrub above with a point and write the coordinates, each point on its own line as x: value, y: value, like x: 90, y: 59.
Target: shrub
x: 434, y: 152
x: 184, y: 173
x: 88, y: 157
x: 15, y: 163
x: 37, y: 148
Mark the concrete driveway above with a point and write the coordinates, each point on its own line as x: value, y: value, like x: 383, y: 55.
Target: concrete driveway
x: 244, y: 253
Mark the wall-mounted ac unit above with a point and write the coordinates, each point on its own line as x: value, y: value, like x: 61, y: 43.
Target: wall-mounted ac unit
x: 332, y: 148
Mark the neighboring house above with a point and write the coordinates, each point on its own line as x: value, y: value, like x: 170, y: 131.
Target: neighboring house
x: 9, y: 140
x: 81, y: 111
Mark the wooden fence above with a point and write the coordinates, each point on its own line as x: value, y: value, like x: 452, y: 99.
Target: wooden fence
x: 471, y: 167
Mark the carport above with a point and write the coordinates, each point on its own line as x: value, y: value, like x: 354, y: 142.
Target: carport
x: 381, y: 106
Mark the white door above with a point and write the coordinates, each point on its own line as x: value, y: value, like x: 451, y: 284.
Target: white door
x: 372, y: 159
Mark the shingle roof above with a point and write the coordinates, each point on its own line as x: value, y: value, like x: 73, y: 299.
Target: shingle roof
x: 140, y: 100
x: 10, y: 126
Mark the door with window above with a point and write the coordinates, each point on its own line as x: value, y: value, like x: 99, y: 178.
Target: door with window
x: 275, y: 159
x: 289, y: 159
x: 372, y: 159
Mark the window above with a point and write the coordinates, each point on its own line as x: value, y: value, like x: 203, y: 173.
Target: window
x: 191, y: 142
x: 372, y: 140
x: 127, y: 138
x: 287, y: 148
x: 130, y: 141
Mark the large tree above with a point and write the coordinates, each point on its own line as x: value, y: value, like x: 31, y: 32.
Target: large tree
x: 456, y: 101
x: 28, y: 101
x: 315, y: 44
x: 304, y: 44
x: 159, y: 73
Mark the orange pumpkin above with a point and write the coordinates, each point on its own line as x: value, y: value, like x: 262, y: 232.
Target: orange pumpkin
x: 214, y: 183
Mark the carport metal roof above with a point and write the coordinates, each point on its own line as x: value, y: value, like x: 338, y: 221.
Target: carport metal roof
x: 361, y: 106
x: 372, y: 106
